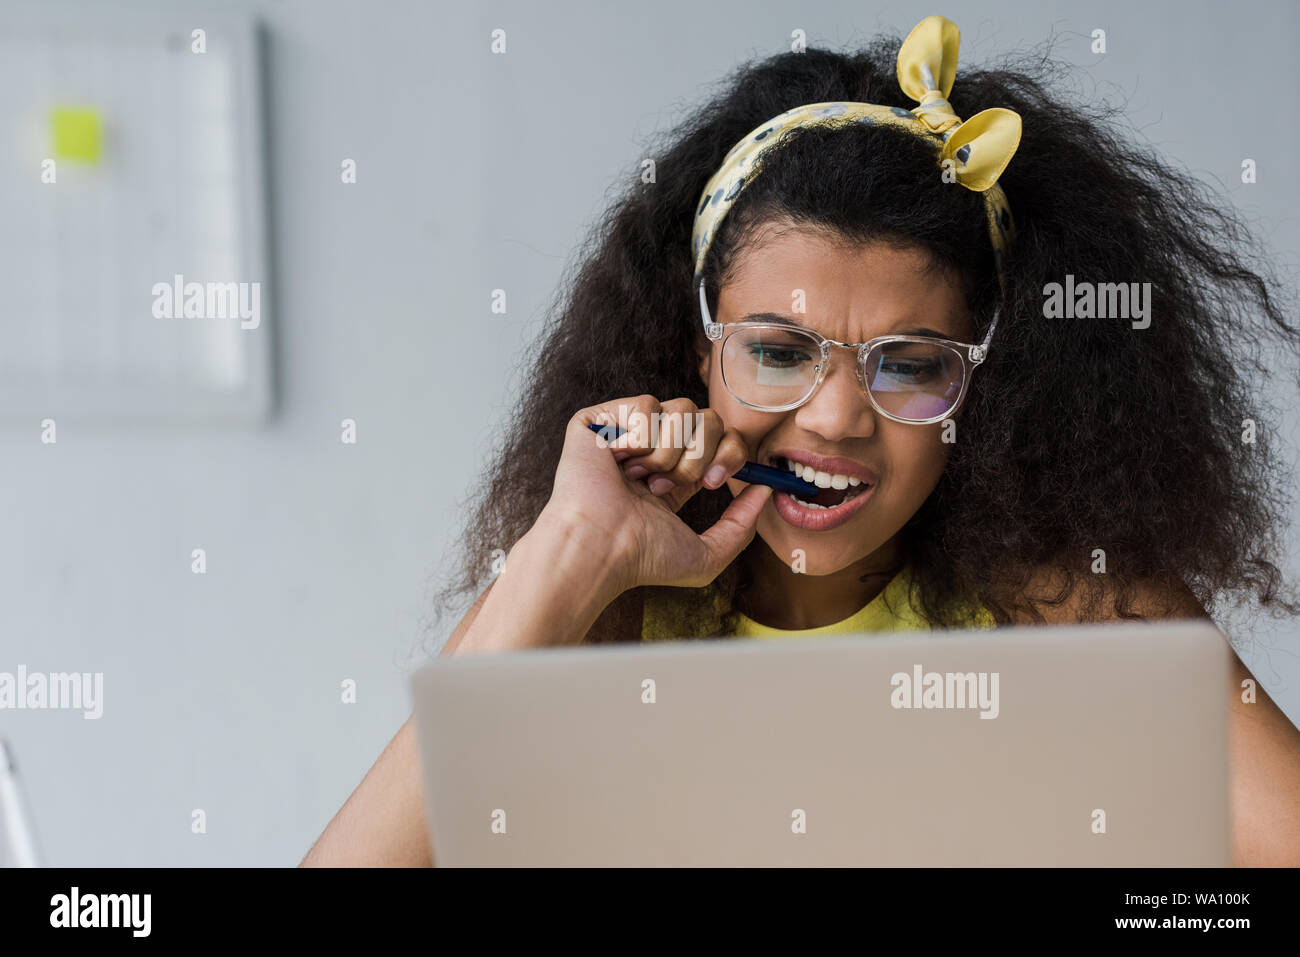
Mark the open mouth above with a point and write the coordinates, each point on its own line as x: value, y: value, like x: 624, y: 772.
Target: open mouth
x: 835, y: 490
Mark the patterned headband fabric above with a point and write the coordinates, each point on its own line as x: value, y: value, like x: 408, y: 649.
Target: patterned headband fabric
x: 972, y: 153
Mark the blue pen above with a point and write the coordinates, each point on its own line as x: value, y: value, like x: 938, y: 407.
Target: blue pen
x: 751, y: 472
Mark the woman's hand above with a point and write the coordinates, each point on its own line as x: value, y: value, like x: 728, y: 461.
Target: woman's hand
x: 627, y: 492
x: 610, y: 525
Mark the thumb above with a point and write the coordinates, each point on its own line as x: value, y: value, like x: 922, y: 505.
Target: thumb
x: 735, y: 529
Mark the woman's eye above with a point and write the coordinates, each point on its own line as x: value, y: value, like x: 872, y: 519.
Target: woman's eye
x: 912, y: 369
x: 777, y: 356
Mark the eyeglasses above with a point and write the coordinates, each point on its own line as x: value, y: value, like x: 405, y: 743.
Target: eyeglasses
x: 775, y: 367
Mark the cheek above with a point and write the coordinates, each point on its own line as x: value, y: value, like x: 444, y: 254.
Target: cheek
x: 916, y: 457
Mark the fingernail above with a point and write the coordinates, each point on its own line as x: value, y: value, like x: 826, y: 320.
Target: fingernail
x: 715, y: 476
x: 636, y: 471
x: 659, y: 484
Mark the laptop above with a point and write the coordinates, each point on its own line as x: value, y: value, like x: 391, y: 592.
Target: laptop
x: 1079, y: 745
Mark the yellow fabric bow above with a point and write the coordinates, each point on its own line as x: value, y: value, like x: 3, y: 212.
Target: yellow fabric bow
x: 981, y: 147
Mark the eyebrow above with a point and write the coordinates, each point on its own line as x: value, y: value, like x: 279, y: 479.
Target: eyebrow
x: 786, y: 320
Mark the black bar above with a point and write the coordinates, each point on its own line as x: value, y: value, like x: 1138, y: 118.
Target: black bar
x: 376, y: 905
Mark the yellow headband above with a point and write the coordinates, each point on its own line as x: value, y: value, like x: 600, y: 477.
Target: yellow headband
x: 973, y: 153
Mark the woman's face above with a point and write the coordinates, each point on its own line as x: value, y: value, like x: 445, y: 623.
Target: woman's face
x: 850, y: 295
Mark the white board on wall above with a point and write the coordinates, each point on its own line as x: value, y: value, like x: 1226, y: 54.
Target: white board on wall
x: 155, y: 133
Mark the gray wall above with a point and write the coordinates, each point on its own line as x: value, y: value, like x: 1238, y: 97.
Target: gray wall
x: 475, y: 172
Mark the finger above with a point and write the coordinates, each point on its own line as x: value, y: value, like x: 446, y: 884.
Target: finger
x: 728, y: 457
x: 636, y: 416
x: 734, y: 530
x: 698, y: 469
x: 582, y: 444
x: 702, y: 433
x: 695, y: 472
x: 675, y: 496
x: 633, y: 415
x: 669, y: 431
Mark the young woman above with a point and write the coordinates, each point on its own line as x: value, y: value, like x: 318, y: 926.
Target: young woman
x: 990, y: 462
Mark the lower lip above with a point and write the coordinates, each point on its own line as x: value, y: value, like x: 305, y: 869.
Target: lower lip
x: 818, y: 519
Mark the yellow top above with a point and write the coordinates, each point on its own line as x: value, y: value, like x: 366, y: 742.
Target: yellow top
x: 876, y: 616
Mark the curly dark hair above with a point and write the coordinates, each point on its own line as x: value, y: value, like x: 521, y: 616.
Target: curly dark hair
x: 1077, y: 434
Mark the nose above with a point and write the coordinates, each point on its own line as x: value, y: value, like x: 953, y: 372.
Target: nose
x: 838, y: 409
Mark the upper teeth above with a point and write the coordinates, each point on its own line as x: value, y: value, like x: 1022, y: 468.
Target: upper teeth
x: 822, y: 479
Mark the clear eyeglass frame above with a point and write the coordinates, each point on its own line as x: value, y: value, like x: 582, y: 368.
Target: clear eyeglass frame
x: 971, y: 355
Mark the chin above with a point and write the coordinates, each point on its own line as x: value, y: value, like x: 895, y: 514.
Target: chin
x: 821, y: 555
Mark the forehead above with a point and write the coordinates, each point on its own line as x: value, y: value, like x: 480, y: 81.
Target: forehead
x: 847, y: 291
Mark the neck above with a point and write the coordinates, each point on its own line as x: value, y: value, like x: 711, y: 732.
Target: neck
x: 780, y: 598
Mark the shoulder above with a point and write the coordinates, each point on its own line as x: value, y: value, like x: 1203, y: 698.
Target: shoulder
x: 1050, y: 594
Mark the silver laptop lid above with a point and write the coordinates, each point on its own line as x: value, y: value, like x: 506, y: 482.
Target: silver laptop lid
x: 1079, y: 745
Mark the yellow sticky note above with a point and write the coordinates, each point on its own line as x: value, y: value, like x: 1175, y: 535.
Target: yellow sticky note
x: 77, y: 133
